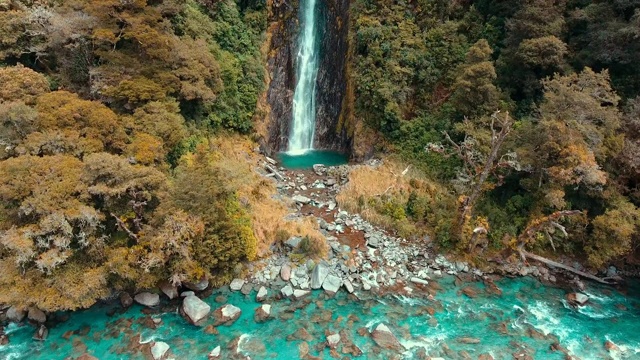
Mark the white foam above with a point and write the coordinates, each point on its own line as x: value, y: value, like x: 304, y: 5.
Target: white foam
x: 297, y: 152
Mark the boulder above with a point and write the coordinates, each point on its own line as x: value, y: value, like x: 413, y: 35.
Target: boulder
x: 287, y: 291
x: 86, y: 356
x: 262, y: 294
x: 612, y: 271
x: 187, y: 293
x: 577, y: 299
x: 293, y: 242
x: 301, y: 199
x: 168, y: 289
x: 262, y: 313
x: 318, y: 275
x: 298, y: 294
x: 374, y: 241
x: 37, y: 315
x: 226, y: 315
x: 16, y: 314
x: 331, y: 284
x: 246, y: 289
x: 333, y: 340
x: 195, y: 308
x: 385, y: 338
x: 147, y: 299
x: 41, y: 334
x: 199, y: 286
x: 215, y: 353
x: 348, y: 285
x: 236, y: 284
x: 159, y: 350
x: 285, y: 272
x: 125, y: 299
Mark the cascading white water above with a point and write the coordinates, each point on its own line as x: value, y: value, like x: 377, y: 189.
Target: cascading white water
x: 304, y: 98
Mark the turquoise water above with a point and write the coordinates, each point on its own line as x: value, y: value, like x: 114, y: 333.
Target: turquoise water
x: 502, y: 324
x: 309, y: 158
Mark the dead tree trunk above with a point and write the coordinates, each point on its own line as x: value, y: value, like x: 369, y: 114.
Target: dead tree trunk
x: 527, y: 255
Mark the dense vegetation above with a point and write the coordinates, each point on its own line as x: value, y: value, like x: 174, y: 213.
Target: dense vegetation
x: 429, y: 75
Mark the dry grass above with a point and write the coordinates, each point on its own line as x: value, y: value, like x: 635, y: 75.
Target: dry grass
x: 240, y: 163
x: 381, y: 194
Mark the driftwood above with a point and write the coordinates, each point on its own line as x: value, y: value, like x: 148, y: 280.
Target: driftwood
x: 544, y: 225
x: 527, y: 255
x: 274, y: 171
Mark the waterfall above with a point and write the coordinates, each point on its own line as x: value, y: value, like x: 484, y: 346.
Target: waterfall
x: 304, y: 98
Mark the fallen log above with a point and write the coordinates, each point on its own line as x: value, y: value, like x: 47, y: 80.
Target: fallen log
x: 274, y: 171
x: 527, y: 255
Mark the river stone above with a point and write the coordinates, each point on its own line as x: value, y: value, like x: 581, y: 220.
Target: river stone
x: 86, y: 356
x: 332, y: 284
x: 285, y: 272
x: 385, y: 338
x: 293, y: 242
x: 168, y: 289
x: 287, y: 291
x: 187, y: 293
x: 297, y: 293
x: 374, y: 241
x: 226, y: 315
x: 215, y: 353
x: 37, y: 315
x: 236, y: 284
x: 262, y: 294
x: 246, y: 289
x: 195, y: 308
x: 577, y: 299
x: 262, y: 313
x: 159, y: 350
x: 333, y: 340
x: 348, y: 285
x: 147, y: 299
x: 301, y: 199
x: 199, y: 286
x: 417, y: 280
x: 16, y: 314
x: 318, y: 275
x: 41, y: 334
x: 125, y: 299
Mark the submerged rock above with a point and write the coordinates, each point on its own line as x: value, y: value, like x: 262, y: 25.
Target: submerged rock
x: 159, y: 350
x: 37, y: 315
x: 262, y: 313
x: 41, y: 334
x: 236, y: 284
x: 262, y: 294
x: 385, y: 338
x: 147, y: 299
x: 195, y: 309
x: 226, y: 315
x: 319, y: 274
x: 577, y: 299
x: 333, y: 340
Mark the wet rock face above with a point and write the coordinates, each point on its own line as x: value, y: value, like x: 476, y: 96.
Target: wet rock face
x: 332, y: 76
x: 331, y: 83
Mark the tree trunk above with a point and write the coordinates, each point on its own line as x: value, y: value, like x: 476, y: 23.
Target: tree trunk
x: 527, y: 255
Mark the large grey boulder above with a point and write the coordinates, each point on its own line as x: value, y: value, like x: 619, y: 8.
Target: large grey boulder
x: 318, y: 275
x: 147, y: 299
x: 159, y: 350
x: 16, y: 314
x: 37, y: 315
x: 195, y: 308
x: 331, y: 284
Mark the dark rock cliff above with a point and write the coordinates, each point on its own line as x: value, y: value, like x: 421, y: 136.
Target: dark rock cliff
x: 281, y: 66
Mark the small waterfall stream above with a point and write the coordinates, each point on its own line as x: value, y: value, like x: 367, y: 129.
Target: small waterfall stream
x: 304, y: 98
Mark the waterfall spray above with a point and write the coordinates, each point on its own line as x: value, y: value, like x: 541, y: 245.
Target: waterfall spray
x: 304, y: 98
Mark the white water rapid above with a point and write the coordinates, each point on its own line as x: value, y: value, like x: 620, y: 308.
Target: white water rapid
x: 304, y: 98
